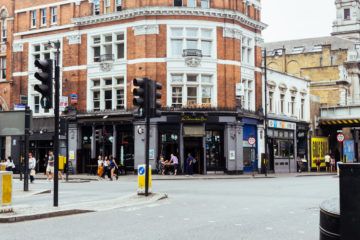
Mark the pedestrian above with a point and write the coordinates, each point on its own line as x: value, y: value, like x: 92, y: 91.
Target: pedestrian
x: 32, y: 165
x: 327, y: 162
x: 100, y: 170
x: 332, y: 164
x: 190, y: 160
x: 174, y: 161
x: 113, y: 168
x: 299, y: 164
x: 318, y: 162
x: 10, y: 166
x: 50, y: 166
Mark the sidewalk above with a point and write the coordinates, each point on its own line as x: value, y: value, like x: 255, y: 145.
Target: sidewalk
x: 130, y: 177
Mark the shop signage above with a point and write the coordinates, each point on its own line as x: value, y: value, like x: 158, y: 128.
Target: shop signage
x: 73, y: 98
x: 251, y: 140
x: 189, y: 118
x: 340, y: 137
x: 281, y: 124
x: 349, y: 153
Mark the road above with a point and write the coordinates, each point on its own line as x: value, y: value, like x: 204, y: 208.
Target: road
x: 252, y: 209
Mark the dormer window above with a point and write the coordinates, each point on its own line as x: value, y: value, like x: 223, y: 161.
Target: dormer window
x: 347, y: 14
x: 297, y: 50
x: 178, y: 3
x: 96, y: 7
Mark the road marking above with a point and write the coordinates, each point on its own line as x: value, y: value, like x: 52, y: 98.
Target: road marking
x: 211, y: 221
x: 238, y: 224
x: 186, y: 219
x: 138, y: 214
x: 301, y: 232
x: 269, y: 228
x: 161, y: 216
x: 291, y: 212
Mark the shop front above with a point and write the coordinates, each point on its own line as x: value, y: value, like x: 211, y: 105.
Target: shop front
x: 250, y: 144
x: 210, y: 139
x: 282, y: 146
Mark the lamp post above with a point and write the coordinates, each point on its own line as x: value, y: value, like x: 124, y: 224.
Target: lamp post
x: 265, y: 115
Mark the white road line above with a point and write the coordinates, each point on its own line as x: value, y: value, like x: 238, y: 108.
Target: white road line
x: 301, y: 232
x: 211, y: 221
x: 186, y: 219
x: 269, y: 228
x: 238, y: 224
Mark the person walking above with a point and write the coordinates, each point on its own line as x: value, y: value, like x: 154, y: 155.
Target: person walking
x: 174, y: 161
x: 32, y: 165
x: 190, y: 160
x: 113, y: 168
x: 318, y: 163
x: 100, y: 170
x: 50, y: 166
x: 332, y: 164
x: 10, y: 166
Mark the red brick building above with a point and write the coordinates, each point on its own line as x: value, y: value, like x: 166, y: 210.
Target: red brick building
x: 200, y: 50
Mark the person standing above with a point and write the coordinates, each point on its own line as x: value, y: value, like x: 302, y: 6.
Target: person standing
x: 327, y: 162
x: 10, y: 166
x: 50, y: 166
x: 100, y: 170
x: 318, y: 163
x: 174, y: 161
x: 190, y: 160
x: 113, y: 168
x: 32, y: 165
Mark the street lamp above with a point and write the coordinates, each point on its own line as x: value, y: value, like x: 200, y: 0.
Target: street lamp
x: 265, y: 160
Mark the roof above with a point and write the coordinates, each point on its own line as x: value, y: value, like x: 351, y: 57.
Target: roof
x: 308, y: 44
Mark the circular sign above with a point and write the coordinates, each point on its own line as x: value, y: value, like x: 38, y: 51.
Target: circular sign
x: 251, y: 140
x: 340, y: 137
x: 141, y: 170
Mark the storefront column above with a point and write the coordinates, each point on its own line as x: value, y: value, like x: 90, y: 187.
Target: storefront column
x: 181, y: 147
x: 114, y: 150
x: 74, y: 141
x: 230, y: 147
x: 93, y: 143
x: 260, y: 143
x: 239, y: 148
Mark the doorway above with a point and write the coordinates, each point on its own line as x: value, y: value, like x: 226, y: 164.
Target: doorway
x: 194, y: 146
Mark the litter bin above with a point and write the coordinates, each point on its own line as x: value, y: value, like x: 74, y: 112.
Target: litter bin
x: 5, y: 188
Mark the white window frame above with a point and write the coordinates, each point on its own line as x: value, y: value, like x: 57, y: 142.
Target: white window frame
x: 103, y: 45
x: 43, y: 17
x: 199, y: 38
x: 182, y: 3
x: 107, y: 6
x: 191, y: 3
x: 96, y: 7
x: 271, y: 101
x: 33, y: 18
x: 205, y: 3
x: 2, y: 69
x: 247, y: 50
x: 118, y: 5
x: 3, y: 30
x: 184, y: 84
x: 103, y: 87
x: 54, y: 16
x: 248, y: 98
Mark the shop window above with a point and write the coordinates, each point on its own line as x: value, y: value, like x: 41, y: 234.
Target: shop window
x: 213, y: 151
x: 283, y: 148
x: 169, y: 144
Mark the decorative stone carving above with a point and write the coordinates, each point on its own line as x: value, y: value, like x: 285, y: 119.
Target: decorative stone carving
x: 74, y: 39
x: 146, y: 29
x: 18, y: 47
x: 193, y: 61
x: 232, y: 33
x: 170, y: 11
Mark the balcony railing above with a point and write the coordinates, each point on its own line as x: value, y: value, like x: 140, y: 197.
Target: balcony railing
x: 192, y: 53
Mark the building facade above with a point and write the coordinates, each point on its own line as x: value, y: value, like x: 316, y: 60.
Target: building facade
x: 199, y: 50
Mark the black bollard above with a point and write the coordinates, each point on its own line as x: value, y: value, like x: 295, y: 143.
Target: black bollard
x: 330, y: 220
x: 349, y: 201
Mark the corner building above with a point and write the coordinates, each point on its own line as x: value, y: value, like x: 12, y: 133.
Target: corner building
x: 205, y: 53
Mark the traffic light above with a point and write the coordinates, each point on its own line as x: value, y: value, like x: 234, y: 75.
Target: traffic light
x: 155, y: 96
x: 45, y: 76
x: 140, y: 96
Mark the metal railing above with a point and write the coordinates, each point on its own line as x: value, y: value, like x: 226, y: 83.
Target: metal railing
x: 192, y: 53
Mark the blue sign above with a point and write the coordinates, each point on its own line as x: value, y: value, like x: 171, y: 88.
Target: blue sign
x: 349, y: 151
x: 141, y: 170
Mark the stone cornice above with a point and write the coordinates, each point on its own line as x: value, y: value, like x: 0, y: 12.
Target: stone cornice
x: 170, y: 11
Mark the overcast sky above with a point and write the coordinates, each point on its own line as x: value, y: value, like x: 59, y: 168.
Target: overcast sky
x: 294, y: 19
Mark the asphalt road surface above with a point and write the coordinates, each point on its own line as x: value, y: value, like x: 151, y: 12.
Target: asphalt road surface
x: 282, y: 208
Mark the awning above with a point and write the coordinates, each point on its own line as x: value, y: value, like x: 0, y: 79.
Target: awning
x: 340, y: 122
x: 194, y: 131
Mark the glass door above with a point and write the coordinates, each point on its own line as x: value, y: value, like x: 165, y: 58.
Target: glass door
x: 214, y: 151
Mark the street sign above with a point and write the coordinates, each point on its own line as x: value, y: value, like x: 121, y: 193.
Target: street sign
x: 251, y: 140
x: 141, y: 179
x: 340, y: 137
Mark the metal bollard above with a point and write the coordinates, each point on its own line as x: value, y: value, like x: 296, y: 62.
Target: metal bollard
x: 330, y: 220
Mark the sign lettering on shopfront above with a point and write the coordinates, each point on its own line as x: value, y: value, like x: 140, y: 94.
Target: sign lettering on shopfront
x: 281, y: 124
x: 188, y: 118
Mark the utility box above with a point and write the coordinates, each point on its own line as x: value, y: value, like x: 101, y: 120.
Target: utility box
x: 349, y: 201
x: 5, y: 188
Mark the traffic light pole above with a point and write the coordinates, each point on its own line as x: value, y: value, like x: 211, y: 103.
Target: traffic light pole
x: 147, y: 136
x: 26, y: 157
x: 56, y: 134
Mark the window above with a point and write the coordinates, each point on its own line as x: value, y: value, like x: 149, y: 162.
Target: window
x: 106, y: 6
x: 43, y: 16
x: 282, y: 103
x: 118, y: 5
x: 96, y: 7
x: 191, y: 38
x: 247, y: 50
x: 283, y: 148
x: 109, y: 45
x: 297, y: 50
x: 33, y: 18
x: 108, y: 93
x: 205, y: 3
x: 347, y: 14
x: 3, y: 31
x: 53, y: 11
x: 36, y: 104
x: 292, y: 106
x: 191, y: 3
x: 302, y: 109
x: 191, y: 90
x: 3, y: 68
x: 248, y: 98
x: 271, y: 102
x: 178, y: 3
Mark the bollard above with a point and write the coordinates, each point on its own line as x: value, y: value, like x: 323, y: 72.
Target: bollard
x: 349, y: 201
x: 141, y: 179
x: 330, y: 220
x: 5, y: 188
